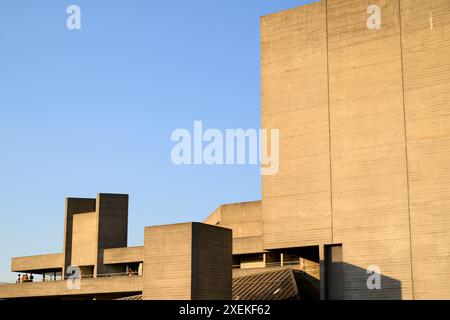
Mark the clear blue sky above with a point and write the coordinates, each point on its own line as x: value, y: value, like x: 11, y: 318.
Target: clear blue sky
x: 91, y: 111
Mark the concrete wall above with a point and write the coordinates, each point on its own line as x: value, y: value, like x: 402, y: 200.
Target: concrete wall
x: 426, y: 60
x: 365, y: 139
x: 296, y: 206
x: 187, y: 261
x: 39, y: 262
x: 211, y: 262
x: 123, y: 255
x: 215, y: 218
x: 132, y: 285
x: 368, y: 152
x: 73, y: 206
x: 243, y: 218
x: 92, y: 225
x: 246, y: 222
x: 247, y: 245
x: 167, y: 262
x: 84, y: 239
x: 113, y: 226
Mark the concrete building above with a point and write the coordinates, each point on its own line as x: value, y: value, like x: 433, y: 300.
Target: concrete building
x: 364, y: 118
x: 97, y: 264
x: 360, y: 91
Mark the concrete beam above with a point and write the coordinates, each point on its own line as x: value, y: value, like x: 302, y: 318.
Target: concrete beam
x: 123, y: 255
x: 37, y: 263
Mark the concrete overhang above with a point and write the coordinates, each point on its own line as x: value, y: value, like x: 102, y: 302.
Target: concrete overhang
x: 123, y: 255
x: 247, y: 245
x: 38, y: 264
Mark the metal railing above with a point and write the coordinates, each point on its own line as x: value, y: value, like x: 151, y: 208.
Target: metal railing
x: 107, y: 275
x: 284, y: 264
x: 270, y: 265
x: 85, y: 276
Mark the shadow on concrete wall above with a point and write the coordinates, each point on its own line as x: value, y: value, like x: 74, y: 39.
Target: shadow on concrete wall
x: 349, y: 282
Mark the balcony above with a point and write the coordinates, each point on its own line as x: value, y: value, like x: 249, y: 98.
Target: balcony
x: 308, y: 267
x: 102, y: 285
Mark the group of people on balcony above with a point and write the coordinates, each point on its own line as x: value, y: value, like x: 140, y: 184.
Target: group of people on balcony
x: 24, y: 278
x: 29, y: 278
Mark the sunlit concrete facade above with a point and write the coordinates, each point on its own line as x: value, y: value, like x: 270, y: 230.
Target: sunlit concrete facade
x: 364, y: 119
x: 188, y: 261
x: 363, y: 184
x: 364, y: 179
